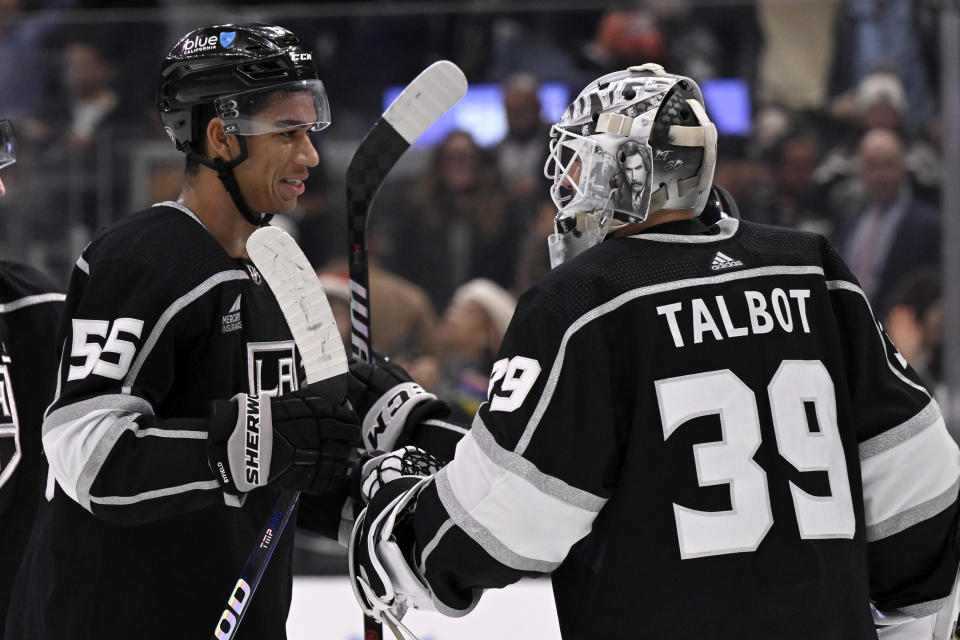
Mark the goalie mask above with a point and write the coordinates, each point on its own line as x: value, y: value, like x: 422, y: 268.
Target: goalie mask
x: 633, y: 142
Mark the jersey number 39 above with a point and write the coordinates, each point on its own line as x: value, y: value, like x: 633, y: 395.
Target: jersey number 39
x: 730, y: 461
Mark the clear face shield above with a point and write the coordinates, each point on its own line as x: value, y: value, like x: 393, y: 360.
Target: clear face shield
x: 595, y: 177
x: 8, y: 144
x: 275, y: 108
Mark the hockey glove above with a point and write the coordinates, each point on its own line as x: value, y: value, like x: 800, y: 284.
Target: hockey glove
x: 295, y: 441
x: 405, y: 462
x: 390, y: 403
x: 381, y: 561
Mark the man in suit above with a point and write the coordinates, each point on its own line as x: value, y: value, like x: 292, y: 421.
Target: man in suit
x: 893, y: 233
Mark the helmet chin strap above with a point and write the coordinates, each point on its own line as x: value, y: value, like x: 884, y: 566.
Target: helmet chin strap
x: 224, y: 171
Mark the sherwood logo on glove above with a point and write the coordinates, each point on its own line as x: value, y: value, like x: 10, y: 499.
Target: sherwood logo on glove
x: 251, y: 442
x: 252, y: 452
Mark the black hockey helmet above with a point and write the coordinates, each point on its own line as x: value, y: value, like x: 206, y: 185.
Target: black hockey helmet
x: 229, y: 71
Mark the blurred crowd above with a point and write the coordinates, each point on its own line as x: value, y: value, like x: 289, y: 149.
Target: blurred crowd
x: 844, y: 142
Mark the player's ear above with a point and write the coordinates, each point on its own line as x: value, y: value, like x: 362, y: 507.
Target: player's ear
x: 219, y: 144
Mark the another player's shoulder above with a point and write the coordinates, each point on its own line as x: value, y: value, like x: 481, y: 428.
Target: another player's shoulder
x: 18, y: 280
x: 166, y: 239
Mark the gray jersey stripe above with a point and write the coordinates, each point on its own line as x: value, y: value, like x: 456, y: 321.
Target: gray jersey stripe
x: 83, y: 266
x: 520, y: 466
x: 171, y: 433
x: 430, y: 546
x: 182, y: 208
x: 443, y: 424
x: 914, y: 515
x: 843, y: 285
x: 482, y: 536
x: 29, y: 301
x: 165, y: 318
x: 56, y: 392
x: 927, y: 417
x: 205, y: 485
x: 629, y: 296
x: 112, y: 402
x: 925, y: 609
x: 728, y: 227
x: 91, y: 467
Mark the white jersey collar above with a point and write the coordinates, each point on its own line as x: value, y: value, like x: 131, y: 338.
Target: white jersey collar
x: 728, y: 227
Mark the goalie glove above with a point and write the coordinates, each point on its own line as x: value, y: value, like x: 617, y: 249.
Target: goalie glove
x: 296, y: 441
x: 389, y: 402
x: 382, y: 570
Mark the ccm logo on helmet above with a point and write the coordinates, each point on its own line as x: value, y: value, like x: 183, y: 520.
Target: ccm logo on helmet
x: 301, y: 57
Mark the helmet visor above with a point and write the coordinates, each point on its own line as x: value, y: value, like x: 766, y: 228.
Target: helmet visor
x: 302, y: 103
x: 8, y: 144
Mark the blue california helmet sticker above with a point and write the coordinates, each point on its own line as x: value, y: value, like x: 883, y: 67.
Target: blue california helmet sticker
x: 227, y: 38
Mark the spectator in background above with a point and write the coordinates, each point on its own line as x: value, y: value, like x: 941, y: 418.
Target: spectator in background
x: 453, y: 228
x: 522, y: 152
x: 893, y: 233
x: 891, y: 33
x: 470, y: 332
x: 914, y: 323
x: 403, y: 320
x: 791, y: 199
x: 623, y: 37
x: 84, y: 145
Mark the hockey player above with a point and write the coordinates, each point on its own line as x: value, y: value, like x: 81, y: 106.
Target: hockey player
x: 30, y: 306
x: 699, y: 431
x: 155, y: 499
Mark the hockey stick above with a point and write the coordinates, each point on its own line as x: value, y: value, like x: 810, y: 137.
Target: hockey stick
x: 419, y: 105
x: 307, y: 312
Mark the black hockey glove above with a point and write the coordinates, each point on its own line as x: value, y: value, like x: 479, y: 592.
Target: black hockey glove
x: 295, y: 441
x: 390, y: 403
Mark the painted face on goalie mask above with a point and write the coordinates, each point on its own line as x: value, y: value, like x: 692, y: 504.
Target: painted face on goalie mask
x: 272, y: 177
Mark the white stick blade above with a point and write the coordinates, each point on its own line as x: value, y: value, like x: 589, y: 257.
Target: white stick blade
x: 302, y: 301
x: 423, y: 101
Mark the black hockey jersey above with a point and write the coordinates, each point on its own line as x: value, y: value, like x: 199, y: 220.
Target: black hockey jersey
x: 137, y: 538
x: 701, y: 433
x: 30, y: 306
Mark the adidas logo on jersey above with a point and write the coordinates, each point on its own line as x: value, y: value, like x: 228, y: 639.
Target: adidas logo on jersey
x: 723, y: 261
x: 231, y: 320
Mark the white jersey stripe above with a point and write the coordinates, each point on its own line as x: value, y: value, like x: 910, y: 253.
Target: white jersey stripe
x: 519, y: 514
x: 29, y: 301
x: 165, y: 318
x: 910, y: 474
x: 629, y: 296
x: 481, y: 535
x: 77, y: 449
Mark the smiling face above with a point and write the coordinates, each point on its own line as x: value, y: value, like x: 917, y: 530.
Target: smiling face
x: 271, y: 178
